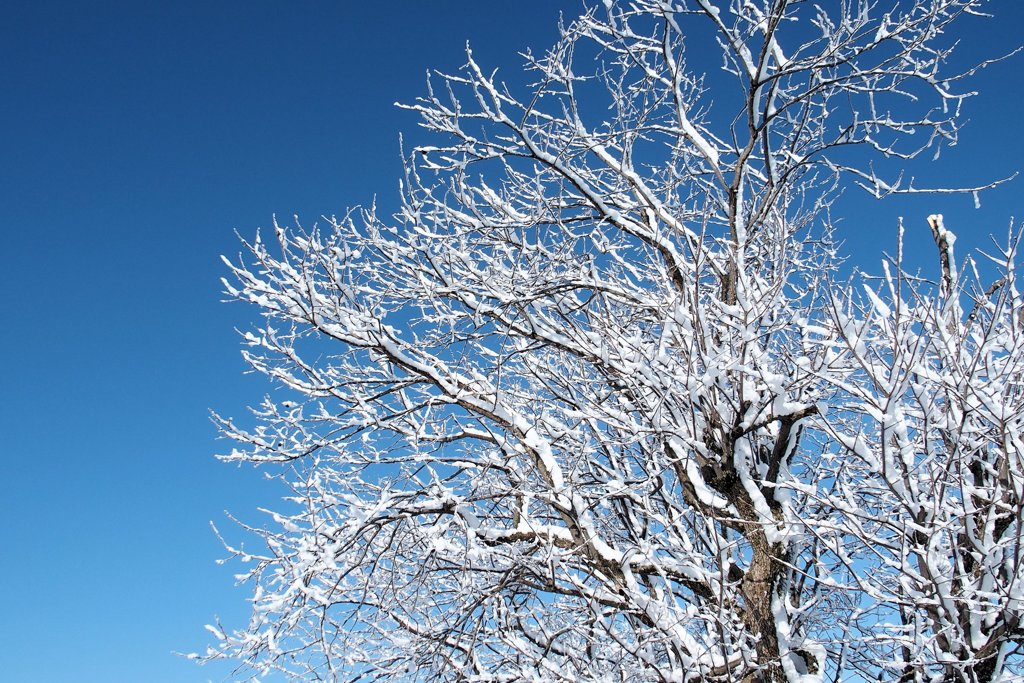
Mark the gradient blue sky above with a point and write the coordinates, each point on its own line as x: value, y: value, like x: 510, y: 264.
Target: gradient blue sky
x: 135, y: 137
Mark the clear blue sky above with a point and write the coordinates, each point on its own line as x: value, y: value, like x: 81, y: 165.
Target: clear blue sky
x: 135, y: 137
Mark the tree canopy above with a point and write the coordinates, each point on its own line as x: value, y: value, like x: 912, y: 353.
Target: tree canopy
x: 595, y: 404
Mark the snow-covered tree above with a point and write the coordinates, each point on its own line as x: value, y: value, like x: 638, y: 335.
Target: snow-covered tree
x: 595, y: 406
x: 927, y: 493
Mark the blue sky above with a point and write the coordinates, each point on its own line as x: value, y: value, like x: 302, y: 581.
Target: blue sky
x: 136, y: 137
